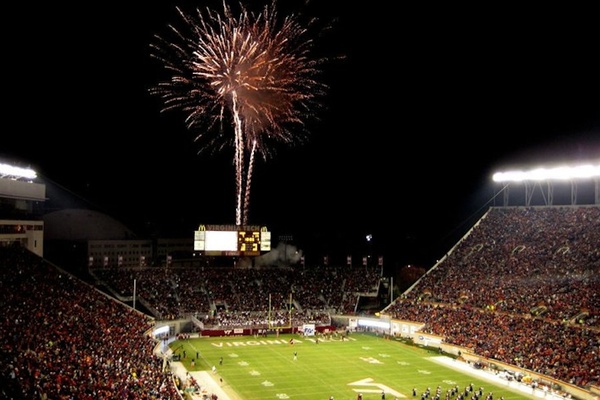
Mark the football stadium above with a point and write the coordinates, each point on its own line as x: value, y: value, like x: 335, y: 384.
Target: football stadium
x: 511, y: 311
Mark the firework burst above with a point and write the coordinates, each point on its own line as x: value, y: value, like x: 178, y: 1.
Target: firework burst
x: 252, y: 72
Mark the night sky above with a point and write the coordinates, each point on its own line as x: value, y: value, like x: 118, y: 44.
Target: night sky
x: 427, y: 104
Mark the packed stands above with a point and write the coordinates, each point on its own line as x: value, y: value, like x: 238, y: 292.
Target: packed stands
x: 219, y: 293
x: 63, y: 339
x: 522, y: 287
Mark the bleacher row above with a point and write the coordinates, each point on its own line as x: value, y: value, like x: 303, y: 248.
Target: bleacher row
x: 522, y: 287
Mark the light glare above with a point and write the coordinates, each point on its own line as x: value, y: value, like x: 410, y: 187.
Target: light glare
x: 540, y: 174
x: 17, y: 172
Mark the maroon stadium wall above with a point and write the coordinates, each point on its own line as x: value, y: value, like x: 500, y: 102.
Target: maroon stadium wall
x: 250, y: 332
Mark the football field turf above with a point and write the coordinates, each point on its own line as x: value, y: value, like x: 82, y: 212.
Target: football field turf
x: 259, y: 368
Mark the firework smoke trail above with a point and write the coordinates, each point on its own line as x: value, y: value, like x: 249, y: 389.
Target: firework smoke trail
x: 248, y: 184
x: 252, y: 71
x: 239, y: 158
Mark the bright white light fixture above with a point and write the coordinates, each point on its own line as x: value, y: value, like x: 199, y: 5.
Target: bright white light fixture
x: 16, y: 172
x: 557, y: 173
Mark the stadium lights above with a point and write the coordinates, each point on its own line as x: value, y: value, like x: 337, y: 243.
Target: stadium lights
x: 541, y: 174
x: 10, y: 171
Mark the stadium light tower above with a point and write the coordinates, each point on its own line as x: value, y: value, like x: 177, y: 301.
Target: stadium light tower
x: 534, y: 177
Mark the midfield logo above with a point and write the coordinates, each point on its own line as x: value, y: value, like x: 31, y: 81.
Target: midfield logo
x: 368, y: 386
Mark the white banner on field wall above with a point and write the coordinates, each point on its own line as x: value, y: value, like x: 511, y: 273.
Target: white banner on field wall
x: 308, y: 329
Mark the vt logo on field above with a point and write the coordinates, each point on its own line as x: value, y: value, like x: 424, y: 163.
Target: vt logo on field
x: 371, y: 360
x: 368, y: 386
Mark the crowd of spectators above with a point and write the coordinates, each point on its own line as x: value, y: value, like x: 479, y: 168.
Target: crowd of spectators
x: 229, y: 297
x: 63, y: 339
x: 523, y: 287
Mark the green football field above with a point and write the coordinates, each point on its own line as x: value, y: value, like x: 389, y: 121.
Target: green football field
x: 259, y: 368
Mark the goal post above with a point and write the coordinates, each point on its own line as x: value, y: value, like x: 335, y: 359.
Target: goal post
x: 278, y: 323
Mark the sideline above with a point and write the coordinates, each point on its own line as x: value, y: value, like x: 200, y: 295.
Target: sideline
x: 514, y: 386
x: 209, y: 383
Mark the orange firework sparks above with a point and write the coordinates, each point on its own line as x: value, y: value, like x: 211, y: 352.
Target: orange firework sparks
x: 252, y: 72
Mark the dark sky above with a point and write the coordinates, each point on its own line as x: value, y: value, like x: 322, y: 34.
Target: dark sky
x: 427, y: 104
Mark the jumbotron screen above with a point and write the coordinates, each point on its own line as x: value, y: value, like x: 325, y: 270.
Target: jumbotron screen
x: 232, y: 240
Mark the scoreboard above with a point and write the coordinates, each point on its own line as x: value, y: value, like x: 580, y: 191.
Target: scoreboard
x: 232, y: 240
x: 249, y: 241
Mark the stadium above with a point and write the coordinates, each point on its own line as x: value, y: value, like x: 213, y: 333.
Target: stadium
x: 511, y: 311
